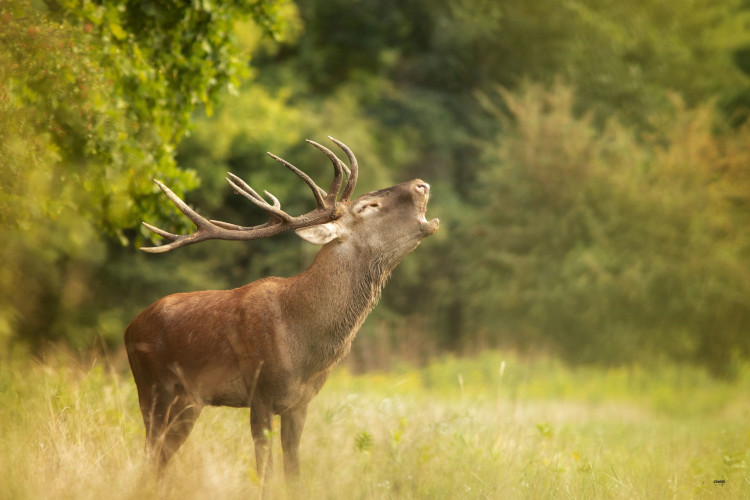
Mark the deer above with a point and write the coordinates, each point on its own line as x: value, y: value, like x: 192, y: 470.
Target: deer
x: 270, y: 345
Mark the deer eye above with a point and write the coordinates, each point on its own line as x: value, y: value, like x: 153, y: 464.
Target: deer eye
x: 369, y: 206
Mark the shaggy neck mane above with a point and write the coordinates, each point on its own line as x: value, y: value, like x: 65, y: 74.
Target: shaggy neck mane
x: 333, y: 297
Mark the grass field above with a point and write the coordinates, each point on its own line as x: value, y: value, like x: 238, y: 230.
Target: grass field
x: 495, y: 426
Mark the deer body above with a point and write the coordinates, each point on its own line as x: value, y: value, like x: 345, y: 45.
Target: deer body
x: 271, y: 344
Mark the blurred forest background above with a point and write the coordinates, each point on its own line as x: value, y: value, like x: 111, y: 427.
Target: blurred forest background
x: 589, y: 162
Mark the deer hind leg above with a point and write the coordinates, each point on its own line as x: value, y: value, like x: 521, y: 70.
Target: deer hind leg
x: 169, y: 417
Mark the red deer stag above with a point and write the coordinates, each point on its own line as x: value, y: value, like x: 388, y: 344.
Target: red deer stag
x: 271, y: 344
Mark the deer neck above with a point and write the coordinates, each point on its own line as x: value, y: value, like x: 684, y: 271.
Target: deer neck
x: 330, y: 300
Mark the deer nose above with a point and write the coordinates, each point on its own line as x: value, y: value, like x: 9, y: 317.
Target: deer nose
x: 422, y: 187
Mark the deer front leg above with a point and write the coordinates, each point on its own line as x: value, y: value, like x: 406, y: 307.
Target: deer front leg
x: 292, y: 422
x: 261, y: 421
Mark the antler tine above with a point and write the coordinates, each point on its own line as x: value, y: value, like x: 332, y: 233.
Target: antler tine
x: 203, y: 225
x: 160, y: 232
x: 245, y: 190
x: 191, y: 214
x: 276, y: 202
x: 246, y: 187
x: 234, y: 227
x: 352, y: 180
x: 317, y: 191
x: 179, y: 241
x: 243, y: 186
x: 338, y: 168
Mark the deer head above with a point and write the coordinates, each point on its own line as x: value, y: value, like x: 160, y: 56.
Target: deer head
x: 387, y: 212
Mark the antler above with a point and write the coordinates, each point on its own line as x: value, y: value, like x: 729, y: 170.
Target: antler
x: 279, y: 220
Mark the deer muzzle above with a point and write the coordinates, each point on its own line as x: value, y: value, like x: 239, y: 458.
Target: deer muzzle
x: 427, y: 227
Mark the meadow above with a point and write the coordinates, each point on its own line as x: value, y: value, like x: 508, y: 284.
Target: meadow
x: 497, y: 425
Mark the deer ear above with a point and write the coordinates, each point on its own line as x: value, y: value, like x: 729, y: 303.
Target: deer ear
x: 320, y: 234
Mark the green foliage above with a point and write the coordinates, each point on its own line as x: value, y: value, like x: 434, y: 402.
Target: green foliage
x: 363, y: 442
x: 95, y: 97
x: 602, y: 219
x: 622, y: 55
x: 538, y: 245
x: 614, y: 248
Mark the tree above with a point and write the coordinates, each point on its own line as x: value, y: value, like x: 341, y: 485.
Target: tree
x: 407, y: 79
x: 95, y: 97
x: 610, y: 249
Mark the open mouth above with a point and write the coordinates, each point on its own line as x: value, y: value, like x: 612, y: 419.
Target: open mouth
x: 423, y: 211
x: 428, y: 227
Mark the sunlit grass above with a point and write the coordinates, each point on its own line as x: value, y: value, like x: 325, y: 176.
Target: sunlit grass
x: 495, y: 426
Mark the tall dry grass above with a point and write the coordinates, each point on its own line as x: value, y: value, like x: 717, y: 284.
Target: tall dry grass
x: 494, y: 426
